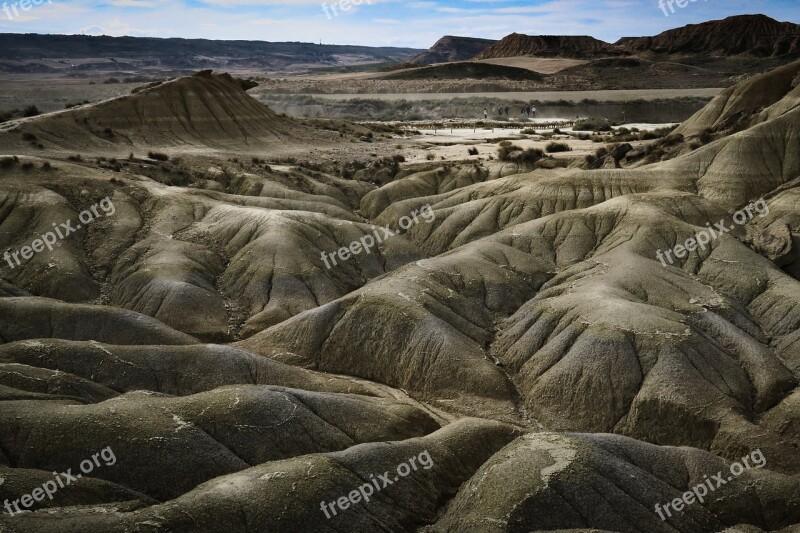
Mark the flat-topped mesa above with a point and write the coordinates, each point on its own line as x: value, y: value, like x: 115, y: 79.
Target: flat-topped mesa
x: 751, y: 35
x: 754, y: 35
x: 568, y: 46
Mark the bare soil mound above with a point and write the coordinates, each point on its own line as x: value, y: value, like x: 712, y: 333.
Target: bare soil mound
x: 200, y: 111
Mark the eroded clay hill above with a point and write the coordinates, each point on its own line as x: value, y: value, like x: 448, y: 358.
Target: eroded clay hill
x: 525, y: 336
x: 755, y: 100
x: 201, y: 112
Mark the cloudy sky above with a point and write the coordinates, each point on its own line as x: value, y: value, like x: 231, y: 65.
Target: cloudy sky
x: 374, y: 22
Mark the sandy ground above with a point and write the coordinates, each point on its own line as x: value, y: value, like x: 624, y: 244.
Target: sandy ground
x: 539, y: 96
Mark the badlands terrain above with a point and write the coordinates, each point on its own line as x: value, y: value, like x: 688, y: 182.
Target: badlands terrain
x: 244, y: 320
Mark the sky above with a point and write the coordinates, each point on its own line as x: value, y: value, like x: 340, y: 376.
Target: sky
x: 416, y: 24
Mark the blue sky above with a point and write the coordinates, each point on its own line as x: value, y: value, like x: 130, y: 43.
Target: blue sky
x: 375, y: 22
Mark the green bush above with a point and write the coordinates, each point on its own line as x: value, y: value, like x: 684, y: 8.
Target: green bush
x: 158, y: 156
x: 8, y: 162
x: 554, y: 147
x: 504, y: 152
x: 663, y: 132
x: 592, y: 124
x: 531, y: 155
x: 70, y: 105
x: 31, y: 111
x: 672, y: 140
x: 516, y: 154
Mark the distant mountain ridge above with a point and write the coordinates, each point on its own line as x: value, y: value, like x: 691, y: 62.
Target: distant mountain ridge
x: 452, y: 48
x: 752, y: 35
x: 191, y: 54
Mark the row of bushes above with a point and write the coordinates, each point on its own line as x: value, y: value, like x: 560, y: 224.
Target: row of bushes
x: 9, y: 162
x: 27, y: 111
x: 513, y: 153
